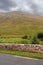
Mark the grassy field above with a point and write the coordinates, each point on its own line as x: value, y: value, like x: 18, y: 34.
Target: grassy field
x: 17, y: 41
x: 14, y: 41
x: 17, y: 24
x: 25, y: 54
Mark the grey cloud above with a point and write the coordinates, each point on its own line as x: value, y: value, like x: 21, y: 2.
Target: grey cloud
x: 36, y: 6
x: 32, y: 6
x: 6, y: 4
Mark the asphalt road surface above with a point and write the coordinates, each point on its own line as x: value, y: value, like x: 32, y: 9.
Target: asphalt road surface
x: 6, y: 59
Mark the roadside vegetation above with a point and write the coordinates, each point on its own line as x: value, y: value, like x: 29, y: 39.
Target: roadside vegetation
x: 21, y: 53
x: 36, y: 39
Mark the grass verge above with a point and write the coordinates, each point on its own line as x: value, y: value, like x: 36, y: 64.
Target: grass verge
x: 21, y: 53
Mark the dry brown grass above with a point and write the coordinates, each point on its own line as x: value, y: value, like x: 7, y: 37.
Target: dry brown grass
x: 17, y: 24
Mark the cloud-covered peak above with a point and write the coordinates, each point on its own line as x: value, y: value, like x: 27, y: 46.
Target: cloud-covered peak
x: 32, y: 6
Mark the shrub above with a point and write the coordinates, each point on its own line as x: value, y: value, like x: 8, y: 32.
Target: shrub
x: 34, y: 40
x: 40, y: 36
x: 25, y: 37
x: 25, y: 41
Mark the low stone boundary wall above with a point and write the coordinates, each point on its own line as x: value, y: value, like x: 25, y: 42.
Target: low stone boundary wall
x: 23, y: 47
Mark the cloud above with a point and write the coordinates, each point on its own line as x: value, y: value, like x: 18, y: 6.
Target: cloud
x: 5, y: 5
x: 32, y: 6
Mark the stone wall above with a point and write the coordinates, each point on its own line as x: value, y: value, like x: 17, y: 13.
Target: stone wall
x: 23, y: 47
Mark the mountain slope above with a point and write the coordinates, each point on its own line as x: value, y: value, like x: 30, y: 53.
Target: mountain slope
x: 17, y: 24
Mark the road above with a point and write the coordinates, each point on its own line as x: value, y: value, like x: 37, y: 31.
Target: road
x: 6, y: 59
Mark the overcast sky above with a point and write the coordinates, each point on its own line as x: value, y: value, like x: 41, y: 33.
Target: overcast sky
x: 32, y: 6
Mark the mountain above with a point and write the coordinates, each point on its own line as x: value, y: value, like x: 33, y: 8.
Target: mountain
x: 17, y: 24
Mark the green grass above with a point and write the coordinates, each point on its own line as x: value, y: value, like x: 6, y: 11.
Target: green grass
x: 17, y: 41
x: 20, y: 53
x: 14, y: 40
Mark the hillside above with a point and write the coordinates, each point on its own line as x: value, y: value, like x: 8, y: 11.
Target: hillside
x: 17, y: 24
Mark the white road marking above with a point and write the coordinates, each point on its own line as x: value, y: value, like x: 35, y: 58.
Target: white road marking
x: 26, y: 57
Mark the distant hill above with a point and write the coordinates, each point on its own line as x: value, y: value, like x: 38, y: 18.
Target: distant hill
x: 17, y: 24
